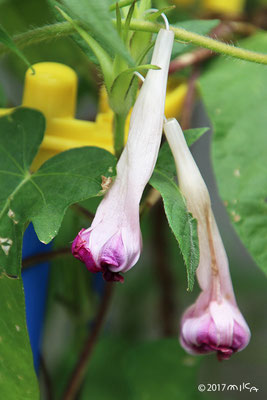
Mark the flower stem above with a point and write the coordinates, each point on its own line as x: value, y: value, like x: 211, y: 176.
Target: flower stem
x: 45, y: 256
x: 149, y: 201
x: 181, y: 34
x: 44, y: 33
x: 189, y: 101
x: 61, y: 29
x: 82, y: 363
x: 225, y: 31
x: 83, y: 211
x: 119, y: 132
x: 46, y: 378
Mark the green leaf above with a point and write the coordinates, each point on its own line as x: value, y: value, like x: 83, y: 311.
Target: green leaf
x: 17, y: 377
x: 95, y: 15
x: 140, y: 372
x: 159, y: 370
x: 235, y: 97
x: 8, y: 42
x: 44, y: 196
x: 101, y: 55
x: 75, y: 37
x: 192, y: 135
x: 165, y: 160
x: 181, y: 222
x: 202, y: 27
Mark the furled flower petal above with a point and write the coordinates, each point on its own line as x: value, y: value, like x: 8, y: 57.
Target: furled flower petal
x: 80, y: 250
x: 113, y: 243
x: 214, y: 322
x: 214, y: 327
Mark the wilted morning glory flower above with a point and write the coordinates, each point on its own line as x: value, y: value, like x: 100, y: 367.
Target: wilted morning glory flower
x: 113, y: 243
x: 214, y: 323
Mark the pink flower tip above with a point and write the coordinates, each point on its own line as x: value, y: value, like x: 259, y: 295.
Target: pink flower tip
x: 109, y: 257
x: 219, y: 328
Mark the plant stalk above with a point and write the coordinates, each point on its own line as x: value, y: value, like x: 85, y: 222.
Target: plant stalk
x: 61, y: 29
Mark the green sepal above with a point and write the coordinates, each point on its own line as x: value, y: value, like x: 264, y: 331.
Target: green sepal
x: 157, y: 14
x: 121, y: 4
x: 122, y: 93
x: 102, y: 56
x: 8, y: 42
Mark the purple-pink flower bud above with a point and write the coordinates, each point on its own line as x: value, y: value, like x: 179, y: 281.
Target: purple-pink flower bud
x: 109, y: 256
x: 214, y: 322
x: 113, y: 243
x: 214, y: 326
x: 108, y: 248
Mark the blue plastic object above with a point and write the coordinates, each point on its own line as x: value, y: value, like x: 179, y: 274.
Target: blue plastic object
x: 35, y: 281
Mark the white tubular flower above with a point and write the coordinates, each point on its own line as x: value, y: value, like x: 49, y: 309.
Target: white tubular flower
x: 214, y: 322
x: 113, y: 242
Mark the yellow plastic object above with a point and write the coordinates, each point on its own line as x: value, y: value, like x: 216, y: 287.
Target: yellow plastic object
x: 175, y: 98
x: 52, y: 90
x: 224, y: 6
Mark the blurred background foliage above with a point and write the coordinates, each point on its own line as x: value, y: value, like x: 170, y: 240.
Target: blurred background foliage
x: 138, y: 355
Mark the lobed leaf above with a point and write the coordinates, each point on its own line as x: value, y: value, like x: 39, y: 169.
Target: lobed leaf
x: 44, y: 196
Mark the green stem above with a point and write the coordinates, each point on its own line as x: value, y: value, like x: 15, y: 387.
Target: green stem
x: 44, y: 33
x: 181, y: 34
x: 62, y: 29
x: 119, y: 132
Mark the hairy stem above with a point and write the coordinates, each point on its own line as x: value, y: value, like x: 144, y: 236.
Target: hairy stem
x: 42, y: 34
x: 62, y: 29
x: 225, y: 31
x: 181, y: 34
x: 80, y: 368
